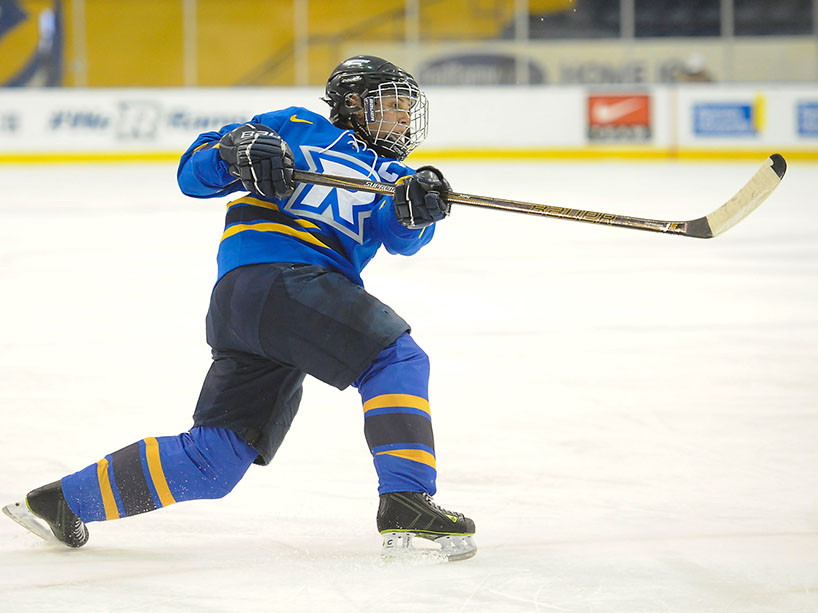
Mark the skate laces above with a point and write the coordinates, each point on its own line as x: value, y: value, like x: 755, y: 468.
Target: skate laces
x: 436, y: 506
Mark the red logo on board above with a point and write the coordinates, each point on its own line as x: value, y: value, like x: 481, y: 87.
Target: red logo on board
x: 620, y: 117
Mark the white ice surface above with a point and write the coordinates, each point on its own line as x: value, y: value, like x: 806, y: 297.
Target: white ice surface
x: 630, y: 418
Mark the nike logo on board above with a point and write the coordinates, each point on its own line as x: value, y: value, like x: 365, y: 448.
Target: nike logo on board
x: 606, y: 113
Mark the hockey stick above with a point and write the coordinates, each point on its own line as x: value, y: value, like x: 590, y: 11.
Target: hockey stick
x: 761, y: 185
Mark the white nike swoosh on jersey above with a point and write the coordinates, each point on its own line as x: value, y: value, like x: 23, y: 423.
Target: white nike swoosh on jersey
x: 606, y: 113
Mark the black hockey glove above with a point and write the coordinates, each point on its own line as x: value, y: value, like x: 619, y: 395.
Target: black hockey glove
x: 420, y: 200
x: 260, y: 158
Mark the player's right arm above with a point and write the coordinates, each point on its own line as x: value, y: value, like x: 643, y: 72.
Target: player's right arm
x: 202, y: 173
x: 250, y: 156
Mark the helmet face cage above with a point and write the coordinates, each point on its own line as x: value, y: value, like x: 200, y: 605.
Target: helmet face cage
x: 396, y: 117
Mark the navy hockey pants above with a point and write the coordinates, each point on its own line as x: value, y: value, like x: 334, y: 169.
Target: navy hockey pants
x: 269, y: 325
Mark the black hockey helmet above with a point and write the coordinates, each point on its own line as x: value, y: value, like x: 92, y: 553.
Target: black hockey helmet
x: 373, y: 79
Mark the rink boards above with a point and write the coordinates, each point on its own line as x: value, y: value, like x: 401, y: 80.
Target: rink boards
x: 699, y: 121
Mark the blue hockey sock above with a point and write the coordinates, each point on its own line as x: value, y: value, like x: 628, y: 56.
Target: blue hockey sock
x: 397, y: 419
x: 155, y: 472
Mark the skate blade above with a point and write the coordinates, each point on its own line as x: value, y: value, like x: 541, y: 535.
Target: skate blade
x: 19, y: 512
x: 412, y: 547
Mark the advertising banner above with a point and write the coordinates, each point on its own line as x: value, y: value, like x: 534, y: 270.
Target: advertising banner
x: 726, y: 119
x: 619, y: 118
x: 748, y: 118
x: 808, y: 119
x: 131, y: 120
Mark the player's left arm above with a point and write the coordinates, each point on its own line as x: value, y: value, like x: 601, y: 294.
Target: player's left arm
x: 406, y: 222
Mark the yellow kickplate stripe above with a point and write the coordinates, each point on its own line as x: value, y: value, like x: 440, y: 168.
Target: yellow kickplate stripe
x: 624, y: 153
x: 157, y: 474
x: 415, y: 455
x: 397, y: 400
x: 108, y: 501
x: 274, y: 227
x: 94, y: 157
x: 578, y: 153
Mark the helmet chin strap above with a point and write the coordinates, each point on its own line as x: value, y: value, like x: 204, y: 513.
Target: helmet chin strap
x: 351, y: 113
x: 362, y: 130
x: 367, y: 110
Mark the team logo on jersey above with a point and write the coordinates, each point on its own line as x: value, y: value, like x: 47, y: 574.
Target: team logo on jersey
x: 342, y: 209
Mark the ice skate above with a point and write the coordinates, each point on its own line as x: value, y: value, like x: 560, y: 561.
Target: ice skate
x: 403, y: 516
x: 45, y: 512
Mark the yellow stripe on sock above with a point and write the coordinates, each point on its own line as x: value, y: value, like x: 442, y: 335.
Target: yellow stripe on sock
x: 108, y: 501
x: 416, y: 455
x: 157, y: 474
x: 397, y: 400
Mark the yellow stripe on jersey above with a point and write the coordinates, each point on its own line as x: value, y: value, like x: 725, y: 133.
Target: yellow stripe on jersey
x: 203, y: 145
x: 157, y: 474
x: 273, y: 206
x: 397, y: 400
x: 274, y: 227
x: 415, y: 455
x: 108, y: 501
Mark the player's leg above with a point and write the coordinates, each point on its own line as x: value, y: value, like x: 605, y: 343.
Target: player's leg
x: 157, y: 472
x: 144, y: 476
x: 245, y: 408
x: 248, y: 390
x: 397, y: 418
x: 398, y: 429
x: 327, y: 326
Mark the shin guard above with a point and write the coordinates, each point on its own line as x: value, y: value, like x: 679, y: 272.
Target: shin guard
x: 155, y: 472
x: 397, y: 419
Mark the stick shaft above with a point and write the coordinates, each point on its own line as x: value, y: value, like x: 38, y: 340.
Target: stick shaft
x: 760, y: 186
x: 388, y: 189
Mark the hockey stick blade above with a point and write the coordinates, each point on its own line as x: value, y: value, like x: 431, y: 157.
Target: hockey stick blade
x: 748, y: 198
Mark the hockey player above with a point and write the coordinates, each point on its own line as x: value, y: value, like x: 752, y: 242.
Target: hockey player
x: 289, y: 302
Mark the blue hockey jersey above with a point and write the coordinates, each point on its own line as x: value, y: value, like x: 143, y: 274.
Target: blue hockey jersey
x: 331, y: 227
